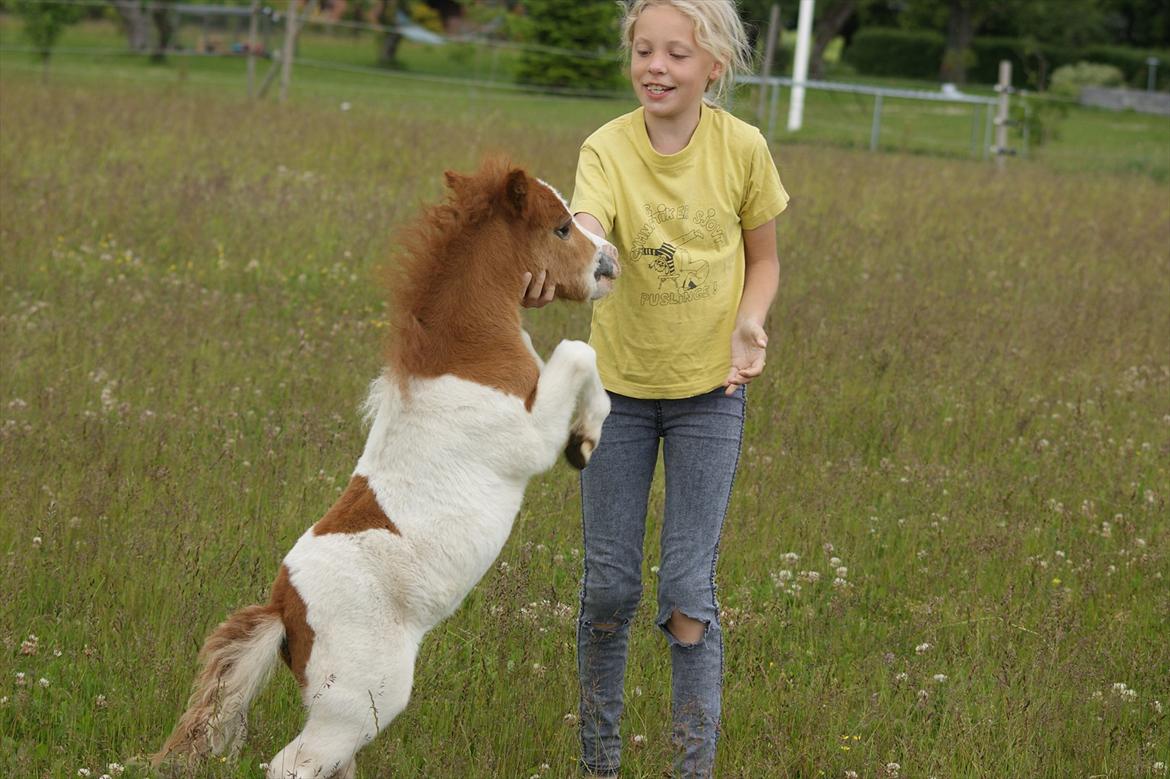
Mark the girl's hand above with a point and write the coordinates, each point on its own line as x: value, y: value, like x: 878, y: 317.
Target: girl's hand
x: 749, y: 345
x: 537, y: 294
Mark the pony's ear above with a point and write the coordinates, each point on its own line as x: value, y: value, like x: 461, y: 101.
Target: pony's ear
x: 516, y: 192
x: 454, y: 180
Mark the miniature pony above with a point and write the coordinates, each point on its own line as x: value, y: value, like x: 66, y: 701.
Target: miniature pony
x: 463, y: 415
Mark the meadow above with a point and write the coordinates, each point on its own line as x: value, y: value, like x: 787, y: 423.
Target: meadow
x: 946, y: 554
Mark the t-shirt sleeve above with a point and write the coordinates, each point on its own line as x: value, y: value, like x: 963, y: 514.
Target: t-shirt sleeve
x: 764, y: 195
x: 592, y: 192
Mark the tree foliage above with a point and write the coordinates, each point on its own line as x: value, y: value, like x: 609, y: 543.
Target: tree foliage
x: 44, y: 23
x: 590, y: 28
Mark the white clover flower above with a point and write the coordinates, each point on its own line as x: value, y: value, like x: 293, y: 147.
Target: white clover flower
x: 892, y: 770
x: 834, y: 562
x: 20, y: 678
x: 940, y: 678
x: 901, y: 677
x: 654, y: 569
x: 116, y: 768
x: 43, y: 682
x: 570, y: 719
x: 1157, y: 706
x: 84, y: 772
x: 851, y: 774
x: 36, y: 541
x: 1159, y: 767
x: 639, y: 740
x: 922, y: 648
x: 842, y: 571
x: 828, y: 548
x: 791, y: 558
x: 841, y: 584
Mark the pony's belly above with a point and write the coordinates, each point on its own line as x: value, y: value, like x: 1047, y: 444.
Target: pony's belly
x: 416, y: 577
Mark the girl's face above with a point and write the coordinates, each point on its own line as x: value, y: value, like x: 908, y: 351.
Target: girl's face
x: 669, y: 70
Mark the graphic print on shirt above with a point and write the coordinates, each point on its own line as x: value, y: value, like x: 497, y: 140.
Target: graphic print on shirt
x: 671, y: 242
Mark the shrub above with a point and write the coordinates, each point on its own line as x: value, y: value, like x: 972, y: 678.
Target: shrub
x: 573, y: 26
x: 1068, y: 80
x: 880, y: 51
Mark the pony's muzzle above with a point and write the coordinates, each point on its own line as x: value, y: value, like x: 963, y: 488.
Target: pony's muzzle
x: 607, y: 266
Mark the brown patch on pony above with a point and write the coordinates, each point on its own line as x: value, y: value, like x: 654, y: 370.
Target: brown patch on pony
x: 298, y: 636
x: 356, y: 510
x: 456, y: 292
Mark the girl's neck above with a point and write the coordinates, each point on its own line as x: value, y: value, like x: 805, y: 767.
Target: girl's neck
x: 671, y: 135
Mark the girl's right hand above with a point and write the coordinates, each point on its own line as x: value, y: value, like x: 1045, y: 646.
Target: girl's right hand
x: 537, y: 294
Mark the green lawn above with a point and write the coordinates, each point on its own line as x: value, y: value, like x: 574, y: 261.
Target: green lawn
x: 967, y: 403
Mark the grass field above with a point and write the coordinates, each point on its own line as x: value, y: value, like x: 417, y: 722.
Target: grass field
x: 967, y: 403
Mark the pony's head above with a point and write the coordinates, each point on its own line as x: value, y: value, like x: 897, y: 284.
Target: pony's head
x: 529, y: 228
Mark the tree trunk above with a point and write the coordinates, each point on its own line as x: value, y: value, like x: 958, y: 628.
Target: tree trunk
x: 136, y: 23
x: 830, y: 25
x: 388, y: 44
x: 960, y: 31
x: 166, y: 31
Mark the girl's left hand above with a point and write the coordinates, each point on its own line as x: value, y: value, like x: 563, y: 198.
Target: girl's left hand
x: 749, y: 345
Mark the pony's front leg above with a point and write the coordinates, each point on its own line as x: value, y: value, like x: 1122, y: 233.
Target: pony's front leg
x: 569, y: 389
x: 585, y: 432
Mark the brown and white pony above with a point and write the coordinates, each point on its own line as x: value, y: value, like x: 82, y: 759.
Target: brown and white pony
x: 463, y: 415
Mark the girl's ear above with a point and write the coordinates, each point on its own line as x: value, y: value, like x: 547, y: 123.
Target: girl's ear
x: 716, y: 72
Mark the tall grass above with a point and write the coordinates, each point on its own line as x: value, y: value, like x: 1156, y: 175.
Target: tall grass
x: 967, y: 403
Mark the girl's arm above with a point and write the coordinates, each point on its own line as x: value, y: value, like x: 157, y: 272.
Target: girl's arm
x: 749, y: 342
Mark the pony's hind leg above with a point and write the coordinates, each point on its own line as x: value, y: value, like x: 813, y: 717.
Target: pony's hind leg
x: 346, y: 710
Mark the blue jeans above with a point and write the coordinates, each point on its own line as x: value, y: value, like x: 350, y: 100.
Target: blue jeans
x: 700, y: 448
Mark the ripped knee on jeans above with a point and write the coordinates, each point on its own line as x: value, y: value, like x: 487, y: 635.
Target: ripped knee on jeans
x: 685, y: 629
x: 604, y: 627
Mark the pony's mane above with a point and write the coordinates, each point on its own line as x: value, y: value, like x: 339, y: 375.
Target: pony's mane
x: 431, y: 255
x: 426, y: 245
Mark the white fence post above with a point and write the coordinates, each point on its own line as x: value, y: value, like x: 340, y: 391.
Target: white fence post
x: 800, y: 65
x: 1002, y: 120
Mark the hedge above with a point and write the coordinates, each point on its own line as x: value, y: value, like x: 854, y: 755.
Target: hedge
x: 883, y: 51
x: 879, y: 51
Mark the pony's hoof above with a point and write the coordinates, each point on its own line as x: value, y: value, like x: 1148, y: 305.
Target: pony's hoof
x: 579, y: 450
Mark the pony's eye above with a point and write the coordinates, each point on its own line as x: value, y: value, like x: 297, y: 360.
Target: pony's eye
x: 563, y: 231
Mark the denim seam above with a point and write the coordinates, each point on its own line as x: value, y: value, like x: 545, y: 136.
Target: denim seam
x: 719, y: 538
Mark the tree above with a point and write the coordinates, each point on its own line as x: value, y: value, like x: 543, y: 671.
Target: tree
x: 43, y: 25
x: 571, y: 25
x: 387, y: 15
x: 829, y: 24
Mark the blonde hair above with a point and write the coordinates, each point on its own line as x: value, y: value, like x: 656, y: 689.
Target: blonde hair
x: 718, y: 30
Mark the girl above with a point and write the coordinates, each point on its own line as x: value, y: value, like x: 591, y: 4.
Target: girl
x: 689, y: 195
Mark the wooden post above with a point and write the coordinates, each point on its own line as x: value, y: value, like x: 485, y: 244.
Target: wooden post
x: 253, y: 24
x: 769, y: 50
x: 286, y: 55
x: 1002, y: 121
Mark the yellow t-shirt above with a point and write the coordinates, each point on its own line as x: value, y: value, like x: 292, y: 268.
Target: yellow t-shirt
x: 677, y: 222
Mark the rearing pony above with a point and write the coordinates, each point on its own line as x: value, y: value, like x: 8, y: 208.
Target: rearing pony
x: 463, y: 415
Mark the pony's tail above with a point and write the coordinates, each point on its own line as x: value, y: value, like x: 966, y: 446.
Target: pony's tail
x: 237, y: 658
